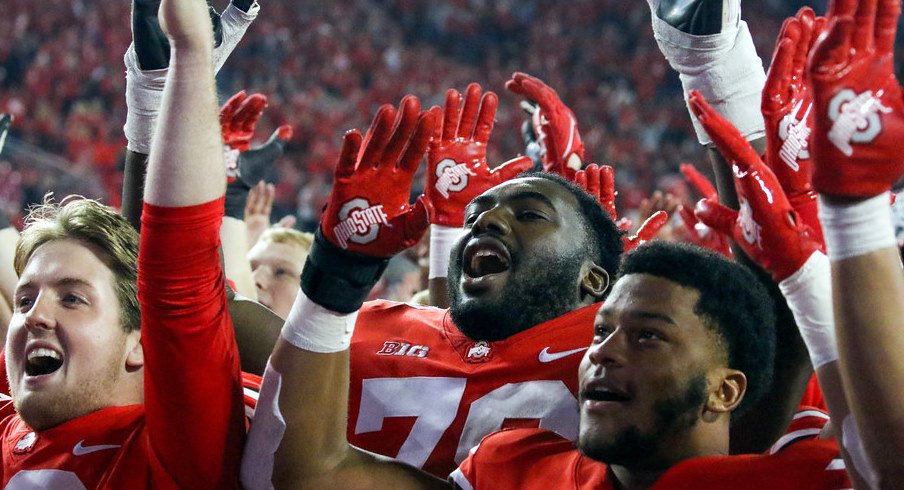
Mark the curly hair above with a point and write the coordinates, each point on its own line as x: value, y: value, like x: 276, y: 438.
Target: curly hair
x: 733, y: 303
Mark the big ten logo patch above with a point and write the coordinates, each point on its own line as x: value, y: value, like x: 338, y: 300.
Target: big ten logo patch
x: 795, y: 134
x: 855, y: 119
x: 359, y: 222
x: 391, y: 348
x: 451, y: 177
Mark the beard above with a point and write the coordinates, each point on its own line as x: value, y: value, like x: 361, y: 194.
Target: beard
x: 637, y: 449
x: 537, y: 291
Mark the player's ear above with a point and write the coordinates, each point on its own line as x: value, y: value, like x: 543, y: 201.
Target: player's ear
x: 134, y: 352
x: 727, y: 388
x: 594, y: 280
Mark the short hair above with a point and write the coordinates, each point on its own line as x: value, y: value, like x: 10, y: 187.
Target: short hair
x: 733, y: 303
x: 89, y: 221
x: 604, y: 239
x: 289, y: 236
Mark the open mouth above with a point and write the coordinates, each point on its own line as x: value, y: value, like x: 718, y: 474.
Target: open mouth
x: 41, y: 361
x: 599, y: 392
x: 483, y: 257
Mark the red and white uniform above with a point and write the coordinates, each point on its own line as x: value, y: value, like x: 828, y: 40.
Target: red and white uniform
x: 424, y: 393
x: 188, y: 433
x: 535, y: 458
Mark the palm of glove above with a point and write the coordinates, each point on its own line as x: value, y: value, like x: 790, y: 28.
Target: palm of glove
x: 457, y: 170
x: 368, y: 210
x: 239, y: 116
x: 788, y: 104
x: 766, y: 226
x: 859, y: 123
x: 561, y: 147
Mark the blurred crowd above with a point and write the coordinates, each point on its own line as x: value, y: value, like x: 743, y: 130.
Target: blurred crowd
x: 326, y: 66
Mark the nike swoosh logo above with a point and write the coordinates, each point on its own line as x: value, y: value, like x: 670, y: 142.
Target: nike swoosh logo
x: 546, y: 356
x: 80, y: 450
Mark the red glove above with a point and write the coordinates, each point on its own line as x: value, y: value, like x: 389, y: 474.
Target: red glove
x: 368, y: 211
x: 561, y: 148
x: 699, y: 181
x: 702, y: 235
x: 647, y: 230
x: 788, y: 111
x: 767, y: 226
x: 599, y: 182
x: 457, y: 169
x: 858, y: 125
x: 238, y: 116
x: 698, y: 233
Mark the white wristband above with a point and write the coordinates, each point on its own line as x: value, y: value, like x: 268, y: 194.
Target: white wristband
x: 144, y: 94
x: 314, y: 328
x: 809, y: 295
x: 235, y: 23
x: 724, y: 68
x: 442, y: 238
x: 857, y: 229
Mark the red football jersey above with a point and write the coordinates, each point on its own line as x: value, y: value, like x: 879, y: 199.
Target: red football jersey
x: 424, y: 393
x: 534, y: 458
x: 188, y: 433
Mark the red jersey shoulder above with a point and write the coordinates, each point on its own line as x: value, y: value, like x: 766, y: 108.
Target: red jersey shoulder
x: 104, y: 449
x: 529, y: 458
x: 799, y: 460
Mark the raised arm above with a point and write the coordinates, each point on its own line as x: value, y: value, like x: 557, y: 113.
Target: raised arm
x: 711, y: 48
x: 298, y: 436
x: 193, y: 405
x: 857, y: 154
x: 774, y: 235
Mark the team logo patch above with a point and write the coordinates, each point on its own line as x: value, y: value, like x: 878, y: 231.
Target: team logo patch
x: 855, y: 119
x: 479, y: 352
x: 750, y: 229
x: 359, y: 222
x: 451, y: 177
x: 795, y: 135
x: 392, y: 348
x: 26, y: 443
x: 231, y: 160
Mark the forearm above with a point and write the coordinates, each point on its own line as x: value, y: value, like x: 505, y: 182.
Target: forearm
x: 133, y: 186
x: 186, y: 161
x: 8, y: 277
x: 868, y: 292
x: 234, y: 239
x: 314, y: 452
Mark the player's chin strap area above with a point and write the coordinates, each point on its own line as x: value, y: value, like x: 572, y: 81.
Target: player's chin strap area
x: 267, y: 429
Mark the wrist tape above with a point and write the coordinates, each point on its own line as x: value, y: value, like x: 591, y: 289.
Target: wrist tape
x: 809, y: 295
x: 442, y: 239
x: 336, y: 279
x: 857, y: 229
x: 144, y: 94
x: 314, y: 328
x: 235, y: 22
x: 724, y: 68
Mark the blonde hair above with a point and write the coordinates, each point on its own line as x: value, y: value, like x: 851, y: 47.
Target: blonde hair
x: 278, y: 234
x: 89, y: 221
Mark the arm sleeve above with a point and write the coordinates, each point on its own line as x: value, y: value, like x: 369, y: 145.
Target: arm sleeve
x: 193, y: 397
